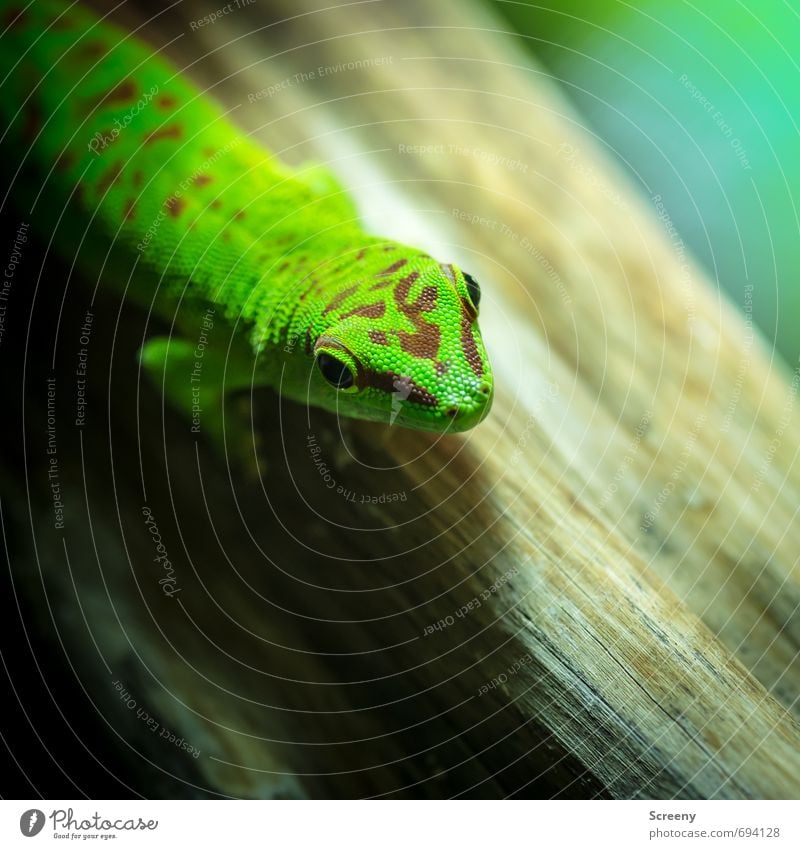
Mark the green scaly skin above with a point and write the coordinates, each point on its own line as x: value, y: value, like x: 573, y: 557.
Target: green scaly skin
x: 155, y: 169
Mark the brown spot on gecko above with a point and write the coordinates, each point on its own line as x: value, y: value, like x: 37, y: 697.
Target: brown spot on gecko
x: 109, y: 178
x: 175, y: 206
x: 442, y: 368
x: 173, y: 132
x: 202, y: 180
x: 378, y: 337
x: 339, y: 299
x: 239, y: 215
x: 91, y: 50
x: 130, y: 209
x: 166, y: 101
x: 377, y: 310
x: 468, y: 344
x: 216, y: 203
x: 32, y: 122
x: 424, y: 341
x: 121, y: 93
x: 62, y: 23
x: 14, y: 18
x: 65, y: 161
x: 395, y: 266
x: 138, y: 177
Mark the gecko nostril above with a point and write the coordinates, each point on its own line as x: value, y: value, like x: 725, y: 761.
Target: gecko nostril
x: 485, y: 389
x: 452, y: 412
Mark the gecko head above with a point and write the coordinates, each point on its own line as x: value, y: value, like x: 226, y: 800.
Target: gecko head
x: 403, y: 347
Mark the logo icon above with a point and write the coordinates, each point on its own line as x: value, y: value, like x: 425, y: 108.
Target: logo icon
x: 31, y: 822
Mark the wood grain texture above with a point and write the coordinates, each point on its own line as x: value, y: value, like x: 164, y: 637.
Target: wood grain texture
x: 626, y: 519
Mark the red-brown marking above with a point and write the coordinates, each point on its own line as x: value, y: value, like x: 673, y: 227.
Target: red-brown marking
x: 202, y: 180
x: 379, y: 337
x: 91, y: 50
x: 62, y: 23
x: 32, y: 122
x: 173, y: 132
x: 14, y: 18
x: 368, y: 311
x: 123, y: 92
x: 216, y: 203
x: 138, y: 177
x: 442, y: 368
x: 130, y: 209
x: 166, y: 101
x: 65, y: 160
x: 339, y: 299
x: 109, y: 178
x: 395, y: 266
x: 239, y: 215
x: 425, y: 340
x: 175, y: 206
x: 381, y: 284
x: 361, y: 253
x: 468, y: 344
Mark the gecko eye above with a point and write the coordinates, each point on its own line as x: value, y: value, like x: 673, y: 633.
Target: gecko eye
x: 335, y: 372
x: 473, y: 288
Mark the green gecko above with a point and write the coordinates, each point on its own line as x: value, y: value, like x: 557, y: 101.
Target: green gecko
x: 315, y: 307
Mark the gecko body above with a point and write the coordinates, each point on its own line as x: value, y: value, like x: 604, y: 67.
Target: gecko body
x: 129, y: 156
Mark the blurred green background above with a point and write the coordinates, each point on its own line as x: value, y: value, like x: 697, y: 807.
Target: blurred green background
x: 700, y: 104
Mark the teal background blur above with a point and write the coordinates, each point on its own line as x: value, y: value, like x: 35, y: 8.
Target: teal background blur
x: 700, y: 104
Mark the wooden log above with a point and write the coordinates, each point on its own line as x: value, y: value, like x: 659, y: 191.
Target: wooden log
x: 593, y: 593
